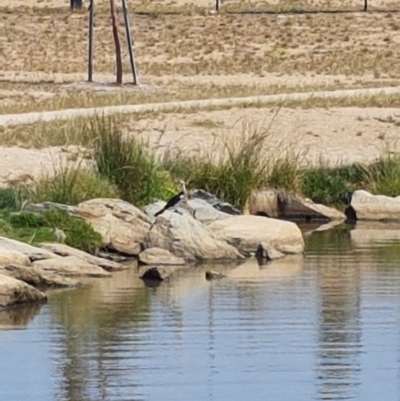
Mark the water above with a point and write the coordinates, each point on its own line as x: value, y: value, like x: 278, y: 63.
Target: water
x: 323, y: 327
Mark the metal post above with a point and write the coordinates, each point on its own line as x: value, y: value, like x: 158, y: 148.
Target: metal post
x: 130, y: 43
x: 90, y: 55
x: 217, y: 5
x: 365, y: 5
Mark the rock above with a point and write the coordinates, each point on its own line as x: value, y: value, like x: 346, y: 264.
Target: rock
x: 206, y: 213
x: 187, y: 238
x: 71, y: 266
x: 32, y: 252
x: 158, y: 273
x: 214, y: 202
x: 281, y: 205
x: 15, y: 292
x: 212, y: 275
x: 65, y: 250
x: 365, y: 206
x: 45, y: 206
x: 158, y: 256
x: 122, y: 226
x: 266, y: 252
x: 247, y: 232
x: 8, y: 257
x: 35, y: 276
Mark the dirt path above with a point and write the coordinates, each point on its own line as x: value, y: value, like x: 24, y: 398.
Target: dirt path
x: 29, y: 118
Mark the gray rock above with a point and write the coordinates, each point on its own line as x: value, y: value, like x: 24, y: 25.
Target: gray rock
x: 247, y: 232
x: 187, y: 238
x: 15, y: 292
x: 32, y: 252
x: 65, y: 250
x: 365, y: 206
x: 122, y: 226
x: 214, y: 202
x: 158, y: 256
x: 282, y: 205
x: 206, y: 213
x: 71, y: 266
x: 35, y: 276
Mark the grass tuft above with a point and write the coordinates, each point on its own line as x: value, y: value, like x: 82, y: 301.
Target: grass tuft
x: 129, y: 165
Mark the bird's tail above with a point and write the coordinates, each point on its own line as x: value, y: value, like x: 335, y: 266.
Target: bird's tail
x: 159, y: 212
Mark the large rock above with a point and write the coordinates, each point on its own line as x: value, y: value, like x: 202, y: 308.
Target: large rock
x: 71, y: 266
x: 122, y: 226
x: 365, y: 206
x: 14, y: 292
x: 32, y: 252
x: 186, y: 237
x: 8, y: 257
x: 248, y: 232
x: 158, y: 256
x: 281, y: 205
x: 65, y: 250
x: 37, y: 277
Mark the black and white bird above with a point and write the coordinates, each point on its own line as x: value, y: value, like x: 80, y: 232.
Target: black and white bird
x: 176, y: 201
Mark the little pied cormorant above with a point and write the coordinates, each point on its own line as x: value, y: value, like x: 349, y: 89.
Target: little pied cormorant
x: 176, y: 201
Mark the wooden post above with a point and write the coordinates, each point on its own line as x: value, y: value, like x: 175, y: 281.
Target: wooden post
x: 130, y: 43
x: 118, y: 58
x: 90, y: 50
x: 217, y: 5
x: 365, y: 5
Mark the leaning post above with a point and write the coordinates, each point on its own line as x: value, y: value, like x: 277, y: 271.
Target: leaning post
x: 130, y: 43
x: 90, y: 49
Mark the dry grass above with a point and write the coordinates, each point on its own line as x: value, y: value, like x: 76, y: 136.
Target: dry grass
x: 53, y: 97
x: 227, y: 44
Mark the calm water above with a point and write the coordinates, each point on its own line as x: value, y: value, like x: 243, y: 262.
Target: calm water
x: 323, y: 327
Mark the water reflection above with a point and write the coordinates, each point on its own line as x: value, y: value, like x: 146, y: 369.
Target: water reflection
x: 18, y: 317
x: 324, y: 326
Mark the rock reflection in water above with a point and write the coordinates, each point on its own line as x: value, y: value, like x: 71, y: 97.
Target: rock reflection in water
x: 18, y: 317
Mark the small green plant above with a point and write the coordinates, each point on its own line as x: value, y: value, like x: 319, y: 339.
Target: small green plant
x: 36, y: 228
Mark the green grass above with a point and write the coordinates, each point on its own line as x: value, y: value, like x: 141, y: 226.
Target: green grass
x: 129, y: 165
x: 35, y: 228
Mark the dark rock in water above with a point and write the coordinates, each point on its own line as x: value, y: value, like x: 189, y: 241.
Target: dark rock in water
x: 214, y: 201
x: 266, y: 252
x: 158, y: 273
x: 212, y: 275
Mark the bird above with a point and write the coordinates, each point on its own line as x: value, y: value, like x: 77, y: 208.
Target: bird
x: 176, y: 201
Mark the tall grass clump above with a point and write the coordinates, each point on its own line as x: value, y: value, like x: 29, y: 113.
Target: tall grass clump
x: 129, y: 164
x: 332, y: 185
x: 68, y: 185
x: 231, y: 174
x: 383, y: 176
